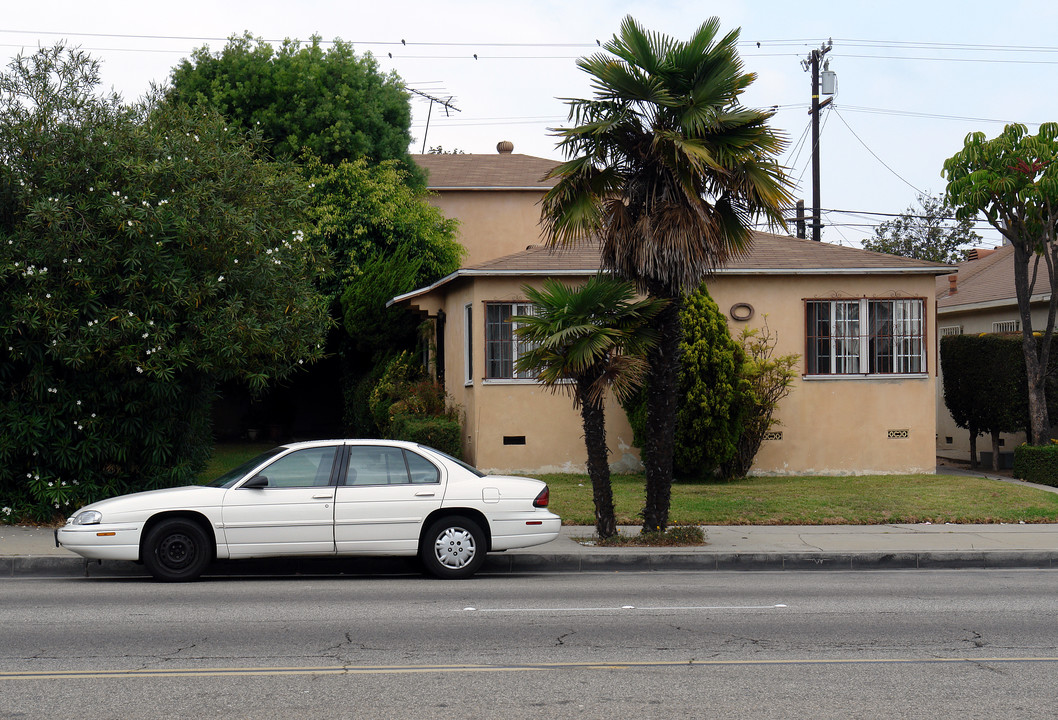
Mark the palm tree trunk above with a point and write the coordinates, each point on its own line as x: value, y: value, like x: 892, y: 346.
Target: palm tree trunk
x: 594, y: 418
x: 664, y: 360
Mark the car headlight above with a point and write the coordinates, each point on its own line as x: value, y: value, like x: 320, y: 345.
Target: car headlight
x: 88, y: 517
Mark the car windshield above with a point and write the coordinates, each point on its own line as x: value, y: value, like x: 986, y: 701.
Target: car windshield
x: 460, y: 463
x: 232, y: 476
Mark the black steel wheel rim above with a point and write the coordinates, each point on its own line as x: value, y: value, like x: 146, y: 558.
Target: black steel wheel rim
x: 176, y: 551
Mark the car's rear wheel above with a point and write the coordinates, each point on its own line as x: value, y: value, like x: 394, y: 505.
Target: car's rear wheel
x: 176, y: 550
x: 453, y: 548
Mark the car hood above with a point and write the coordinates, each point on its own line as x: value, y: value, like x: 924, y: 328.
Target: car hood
x: 190, y: 496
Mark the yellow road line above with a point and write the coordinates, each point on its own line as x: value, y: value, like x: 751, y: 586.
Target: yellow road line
x: 405, y: 669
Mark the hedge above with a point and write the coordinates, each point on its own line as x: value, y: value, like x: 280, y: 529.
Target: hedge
x: 1037, y: 464
x: 437, y: 432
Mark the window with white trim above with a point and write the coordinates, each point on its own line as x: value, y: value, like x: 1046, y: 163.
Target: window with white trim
x: 865, y: 337
x: 502, y: 346
x: 468, y: 344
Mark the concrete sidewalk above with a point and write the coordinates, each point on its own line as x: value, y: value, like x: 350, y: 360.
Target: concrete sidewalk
x: 28, y: 552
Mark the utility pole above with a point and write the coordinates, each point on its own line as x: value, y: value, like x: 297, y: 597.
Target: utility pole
x: 812, y: 63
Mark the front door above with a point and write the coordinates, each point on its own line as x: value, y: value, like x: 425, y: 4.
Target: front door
x: 293, y: 514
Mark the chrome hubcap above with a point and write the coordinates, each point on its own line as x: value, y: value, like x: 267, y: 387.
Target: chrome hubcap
x: 455, y: 547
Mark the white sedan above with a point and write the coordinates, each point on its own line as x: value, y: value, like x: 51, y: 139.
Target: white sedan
x: 323, y: 499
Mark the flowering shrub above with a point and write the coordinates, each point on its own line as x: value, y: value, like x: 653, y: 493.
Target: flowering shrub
x: 146, y: 253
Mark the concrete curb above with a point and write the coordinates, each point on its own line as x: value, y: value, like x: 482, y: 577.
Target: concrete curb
x: 528, y: 563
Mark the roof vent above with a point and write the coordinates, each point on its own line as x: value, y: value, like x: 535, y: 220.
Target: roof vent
x: 505, y: 147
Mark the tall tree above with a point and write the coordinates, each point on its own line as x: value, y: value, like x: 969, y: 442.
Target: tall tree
x: 669, y: 171
x: 334, y: 103
x: 712, y: 392
x: 385, y: 239
x: 146, y: 253
x: 595, y: 336
x: 1013, y: 180
x: 928, y: 232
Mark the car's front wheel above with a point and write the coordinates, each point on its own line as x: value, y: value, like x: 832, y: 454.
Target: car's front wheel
x: 176, y: 551
x: 453, y: 548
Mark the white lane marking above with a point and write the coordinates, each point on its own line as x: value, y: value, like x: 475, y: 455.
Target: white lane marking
x: 623, y: 607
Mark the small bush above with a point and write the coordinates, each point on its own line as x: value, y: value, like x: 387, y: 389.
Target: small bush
x: 674, y: 536
x: 1037, y: 464
x: 440, y: 433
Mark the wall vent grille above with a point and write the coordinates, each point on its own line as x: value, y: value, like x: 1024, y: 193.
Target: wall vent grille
x: 951, y: 330
x: 774, y: 435
x: 899, y: 434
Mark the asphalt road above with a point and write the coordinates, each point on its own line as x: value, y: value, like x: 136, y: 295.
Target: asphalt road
x: 907, y: 644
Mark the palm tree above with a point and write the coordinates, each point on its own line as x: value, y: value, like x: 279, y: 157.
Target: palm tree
x: 668, y: 171
x: 595, y: 336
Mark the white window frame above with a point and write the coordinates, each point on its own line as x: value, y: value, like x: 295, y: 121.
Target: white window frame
x: 468, y: 344
x: 865, y: 337
x: 509, y: 346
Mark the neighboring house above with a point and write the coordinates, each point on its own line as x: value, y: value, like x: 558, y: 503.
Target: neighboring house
x: 980, y: 298
x: 862, y: 322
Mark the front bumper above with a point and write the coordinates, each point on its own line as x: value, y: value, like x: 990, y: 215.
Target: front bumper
x: 101, y: 542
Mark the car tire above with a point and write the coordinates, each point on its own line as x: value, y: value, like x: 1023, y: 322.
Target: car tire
x: 453, y: 548
x: 176, y: 551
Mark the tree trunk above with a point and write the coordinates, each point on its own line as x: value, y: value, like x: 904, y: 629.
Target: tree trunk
x: 1035, y: 372
x: 594, y: 418
x: 659, y: 448
x: 973, y: 447
x: 995, y: 451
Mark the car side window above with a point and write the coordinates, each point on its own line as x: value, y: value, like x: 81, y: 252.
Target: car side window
x: 421, y: 469
x: 310, y: 467
x: 375, y: 465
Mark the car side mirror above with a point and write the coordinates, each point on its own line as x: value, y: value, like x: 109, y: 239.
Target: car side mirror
x: 256, y: 482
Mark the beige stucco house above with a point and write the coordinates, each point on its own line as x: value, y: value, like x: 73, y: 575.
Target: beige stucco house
x: 863, y: 324
x: 980, y: 298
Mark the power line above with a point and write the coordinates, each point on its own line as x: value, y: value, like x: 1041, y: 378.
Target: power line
x: 868, y: 149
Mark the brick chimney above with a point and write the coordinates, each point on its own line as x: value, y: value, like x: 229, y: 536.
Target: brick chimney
x: 953, y: 284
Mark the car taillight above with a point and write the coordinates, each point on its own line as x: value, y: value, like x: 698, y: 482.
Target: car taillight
x: 543, y: 498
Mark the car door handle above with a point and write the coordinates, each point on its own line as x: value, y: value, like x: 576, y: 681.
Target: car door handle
x: 323, y: 497
x: 424, y: 493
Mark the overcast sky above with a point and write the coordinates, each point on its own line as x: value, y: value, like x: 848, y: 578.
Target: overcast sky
x: 913, y: 77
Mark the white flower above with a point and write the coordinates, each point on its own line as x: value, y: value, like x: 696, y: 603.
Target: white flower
x: 7, y: 510
x: 139, y: 369
x: 220, y: 279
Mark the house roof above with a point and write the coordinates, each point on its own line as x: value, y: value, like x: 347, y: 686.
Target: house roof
x: 769, y: 254
x: 986, y: 282
x: 502, y: 171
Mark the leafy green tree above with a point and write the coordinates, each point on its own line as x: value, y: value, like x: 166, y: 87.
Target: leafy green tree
x: 1013, y: 180
x: 710, y: 416
x: 595, y: 336
x: 985, y: 387
x: 669, y: 171
x: 385, y: 239
x: 711, y: 388
x: 929, y: 232
x: 770, y: 379
x: 146, y: 253
x: 333, y: 103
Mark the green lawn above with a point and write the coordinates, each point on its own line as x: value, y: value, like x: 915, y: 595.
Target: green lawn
x: 229, y: 456
x: 867, y: 500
